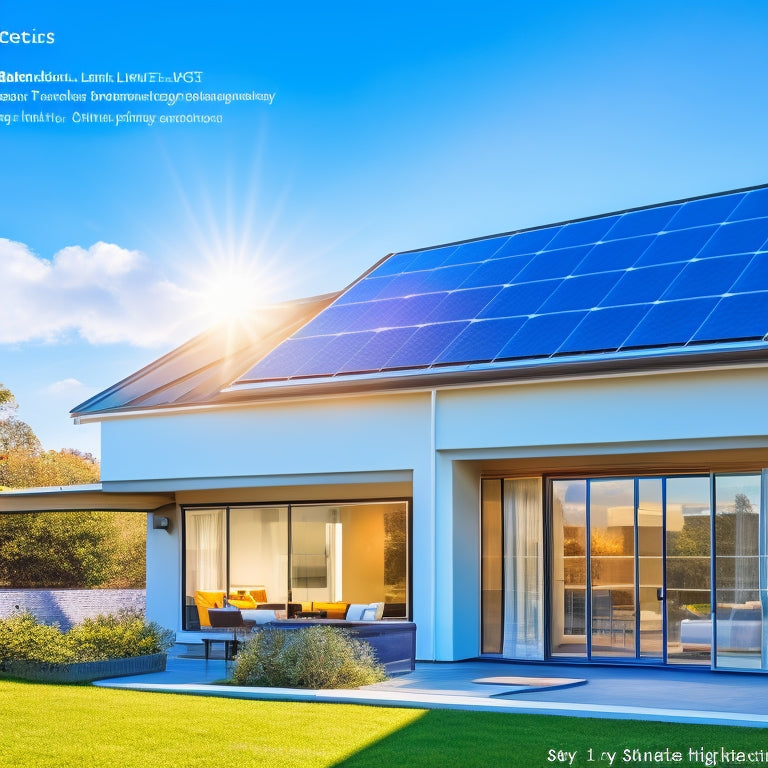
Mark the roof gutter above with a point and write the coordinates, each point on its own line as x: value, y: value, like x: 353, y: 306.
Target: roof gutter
x: 641, y: 363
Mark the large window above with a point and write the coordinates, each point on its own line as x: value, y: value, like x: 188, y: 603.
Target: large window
x: 740, y: 590
x: 665, y: 569
x: 296, y: 555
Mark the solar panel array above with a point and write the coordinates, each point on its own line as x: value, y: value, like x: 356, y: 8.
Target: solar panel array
x: 673, y: 275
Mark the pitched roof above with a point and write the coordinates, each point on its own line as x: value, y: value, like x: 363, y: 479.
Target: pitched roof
x: 197, y: 371
x: 679, y: 281
x: 666, y: 277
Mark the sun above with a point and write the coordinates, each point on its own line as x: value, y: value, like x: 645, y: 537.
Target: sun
x: 232, y: 292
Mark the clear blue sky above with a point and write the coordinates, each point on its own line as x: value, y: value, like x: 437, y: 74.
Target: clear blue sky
x: 394, y: 126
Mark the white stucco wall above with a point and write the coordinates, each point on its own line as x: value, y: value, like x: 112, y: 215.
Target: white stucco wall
x: 300, y: 450
x: 341, y: 435
x: 701, y: 405
x: 321, y: 445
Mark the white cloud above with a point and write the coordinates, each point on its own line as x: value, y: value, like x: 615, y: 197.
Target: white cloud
x: 105, y: 294
x: 63, y: 386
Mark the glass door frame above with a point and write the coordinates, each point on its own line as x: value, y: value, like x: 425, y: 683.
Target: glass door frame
x: 637, y: 658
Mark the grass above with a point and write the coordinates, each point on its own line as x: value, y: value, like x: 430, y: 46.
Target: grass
x: 84, y: 727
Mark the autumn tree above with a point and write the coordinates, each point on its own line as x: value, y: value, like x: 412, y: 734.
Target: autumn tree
x: 61, y: 549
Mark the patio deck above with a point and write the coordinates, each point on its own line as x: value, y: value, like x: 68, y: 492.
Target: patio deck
x: 670, y: 695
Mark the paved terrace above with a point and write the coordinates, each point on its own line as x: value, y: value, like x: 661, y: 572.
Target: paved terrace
x: 671, y: 695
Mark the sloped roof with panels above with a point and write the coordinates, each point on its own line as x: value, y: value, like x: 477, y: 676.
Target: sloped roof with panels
x: 670, y: 277
x: 675, y: 284
x: 197, y: 371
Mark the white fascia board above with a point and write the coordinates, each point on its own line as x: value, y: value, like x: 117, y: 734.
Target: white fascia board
x: 80, y: 497
x: 287, y: 396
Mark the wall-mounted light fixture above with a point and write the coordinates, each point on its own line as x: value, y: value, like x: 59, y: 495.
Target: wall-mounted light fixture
x: 161, y: 523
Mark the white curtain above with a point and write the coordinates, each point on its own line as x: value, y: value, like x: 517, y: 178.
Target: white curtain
x: 523, y: 570
x: 205, y: 539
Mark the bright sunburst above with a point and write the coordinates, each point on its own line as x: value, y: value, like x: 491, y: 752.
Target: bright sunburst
x: 232, y: 291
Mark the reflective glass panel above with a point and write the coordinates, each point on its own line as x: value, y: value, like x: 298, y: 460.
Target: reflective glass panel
x: 258, y: 555
x: 569, y: 568
x: 689, y: 629
x: 650, y: 566
x: 612, y: 567
x: 738, y: 613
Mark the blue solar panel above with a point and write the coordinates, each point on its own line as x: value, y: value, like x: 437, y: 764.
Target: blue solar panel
x: 481, y: 341
x: 708, y: 277
x: 670, y: 275
x: 541, y: 335
x: 640, y: 286
x: 335, y: 319
x: 379, y: 349
x: 740, y: 237
x: 616, y: 254
x: 446, y: 278
x: 670, y: 323
x: 431, y: 258
x: 582, y: 292
x: 755, y: 276
x: 462, y: 305
x: 395, y: 264
x: 582, y: 232
x: 496, y: 272
x: 476, y: 251
x: 736, y: 317
x: 753, y: 204
x: 709, y: 210
x: 425, y: 346
x: 284, y: 360
x: 522, y: 299
x: 553, y: 263
x: 407, y: 284
x: 531, y: 241
x: 604, y: 330
x: 647, y: 222
x: 675, y: 246
x: 334, y: 354
x: 394, y: 313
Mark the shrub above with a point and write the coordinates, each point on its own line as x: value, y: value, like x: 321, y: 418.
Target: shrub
x: 118, y: 636
x: 312, y: 657
x: 128, y: 634
x: 24, y: 638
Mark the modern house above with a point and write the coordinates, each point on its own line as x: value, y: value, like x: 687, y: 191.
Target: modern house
x: 550, y: 444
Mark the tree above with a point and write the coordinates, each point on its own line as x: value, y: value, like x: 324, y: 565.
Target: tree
x: 61, y: 549
x: 14, y: 434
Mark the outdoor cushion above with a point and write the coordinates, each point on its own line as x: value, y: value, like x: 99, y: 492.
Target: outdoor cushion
x: 355, y: 611
x: 373, y: 612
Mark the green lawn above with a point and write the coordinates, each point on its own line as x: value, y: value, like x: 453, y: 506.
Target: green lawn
x: 81, y: 726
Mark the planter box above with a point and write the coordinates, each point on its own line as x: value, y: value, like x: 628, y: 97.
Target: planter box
x: 82, y: 672
x: 394, y: 642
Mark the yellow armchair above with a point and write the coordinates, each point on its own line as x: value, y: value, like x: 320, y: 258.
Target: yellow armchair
x: 205, y: 599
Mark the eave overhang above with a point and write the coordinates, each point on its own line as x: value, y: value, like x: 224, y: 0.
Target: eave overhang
x: 635, y: 362
x: 81, y: 497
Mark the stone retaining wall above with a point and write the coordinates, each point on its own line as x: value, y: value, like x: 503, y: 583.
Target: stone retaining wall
x: 83, y: 672
x: 70, y: 606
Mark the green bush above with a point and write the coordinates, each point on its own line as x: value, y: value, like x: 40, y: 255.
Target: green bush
x: 24, y: 638
x: 312, y: 657
x: 128, y: 634
x: 116, y: 637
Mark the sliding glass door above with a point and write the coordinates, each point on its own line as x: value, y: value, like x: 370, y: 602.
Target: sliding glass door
x: 631, y: 569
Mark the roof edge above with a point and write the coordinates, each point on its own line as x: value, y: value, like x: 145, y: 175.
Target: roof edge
x: 639, y: 362
x: 577, y: 220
